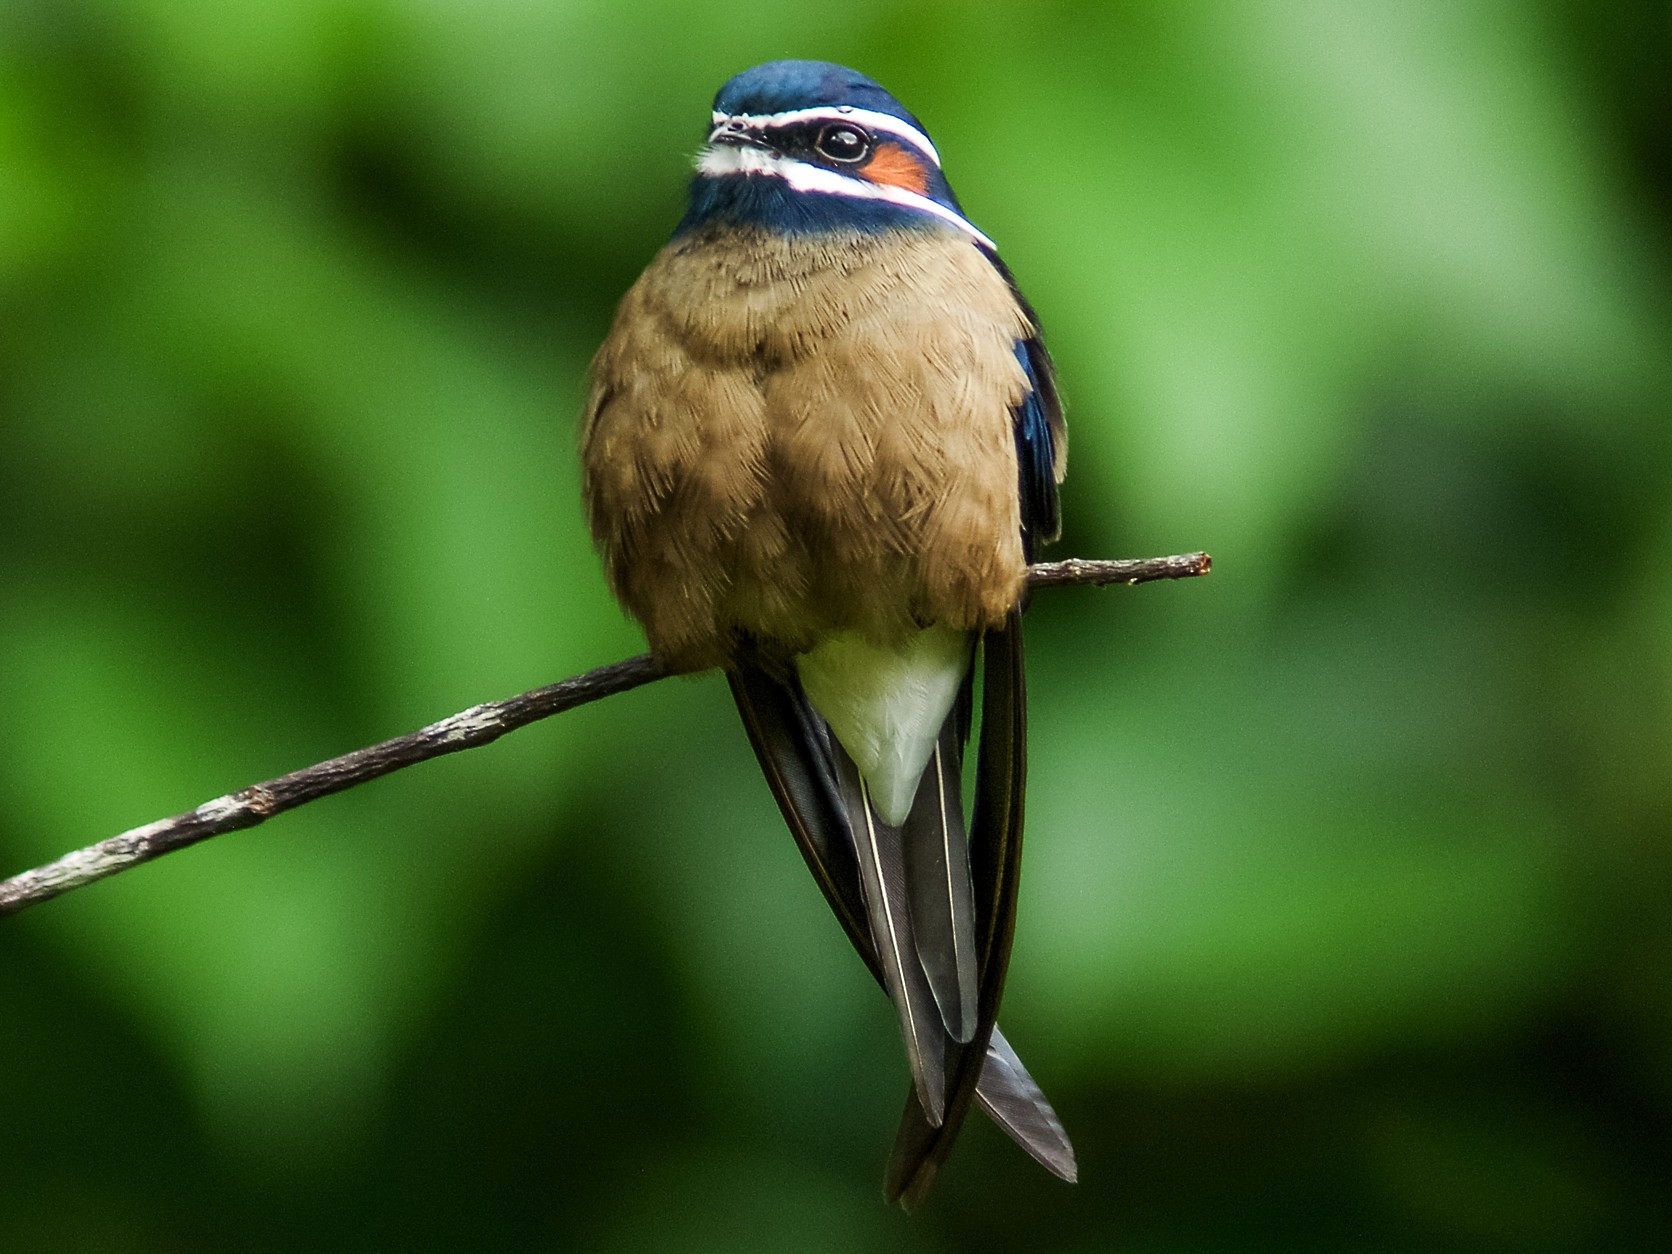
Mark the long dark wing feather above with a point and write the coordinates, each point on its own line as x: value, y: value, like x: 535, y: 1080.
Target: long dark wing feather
x: 1013, y: 1101
x: 879, y: 847
x: 938, y: 885
x: 922, y: 1144
x: 794, y: 750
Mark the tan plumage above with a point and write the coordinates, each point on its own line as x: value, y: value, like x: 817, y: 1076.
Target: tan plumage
x: 788, y: 436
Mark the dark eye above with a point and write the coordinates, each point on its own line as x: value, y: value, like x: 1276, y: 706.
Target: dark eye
x: 841, y: 142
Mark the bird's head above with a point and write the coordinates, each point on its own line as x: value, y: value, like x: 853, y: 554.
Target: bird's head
x: 807, y: 146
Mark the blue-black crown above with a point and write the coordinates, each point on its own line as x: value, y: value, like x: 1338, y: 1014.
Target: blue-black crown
x: 780, y: 86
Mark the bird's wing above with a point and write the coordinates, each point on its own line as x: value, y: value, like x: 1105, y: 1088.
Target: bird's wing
x: 1041, y: 430
x: 796, y: 753
x: 1039, y: 436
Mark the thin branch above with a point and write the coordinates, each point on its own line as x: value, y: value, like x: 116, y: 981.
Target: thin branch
x: 479, y: 725
x: 1096, y: 574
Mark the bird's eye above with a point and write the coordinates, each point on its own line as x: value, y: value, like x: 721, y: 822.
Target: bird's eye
x: 841, y: 142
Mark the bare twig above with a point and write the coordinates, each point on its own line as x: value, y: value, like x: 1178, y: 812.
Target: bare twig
x: 1079, y: 570
x: 479, y: 725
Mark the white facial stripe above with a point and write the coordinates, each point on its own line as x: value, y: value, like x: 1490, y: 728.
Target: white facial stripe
x: 868, y: 118
x: 803, y: 177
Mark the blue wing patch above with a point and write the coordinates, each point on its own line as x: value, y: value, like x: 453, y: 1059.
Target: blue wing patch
x: 1036, y: 446
x: 1041, y: 433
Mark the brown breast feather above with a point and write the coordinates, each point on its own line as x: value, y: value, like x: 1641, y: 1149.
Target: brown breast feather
x: 791, y: 436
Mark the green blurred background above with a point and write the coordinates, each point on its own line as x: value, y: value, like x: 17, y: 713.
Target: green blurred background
x: 1347, y: 920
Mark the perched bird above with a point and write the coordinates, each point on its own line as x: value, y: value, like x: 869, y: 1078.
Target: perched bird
x: 821, y: 442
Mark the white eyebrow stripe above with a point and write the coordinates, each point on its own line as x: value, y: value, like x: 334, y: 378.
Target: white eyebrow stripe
x: 869, y: 118
x: 803, y: 177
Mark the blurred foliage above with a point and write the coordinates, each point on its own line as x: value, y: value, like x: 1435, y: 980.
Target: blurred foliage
x: 1347, y: 919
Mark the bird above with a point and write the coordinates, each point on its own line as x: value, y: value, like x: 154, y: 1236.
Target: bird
x: 821, y: 442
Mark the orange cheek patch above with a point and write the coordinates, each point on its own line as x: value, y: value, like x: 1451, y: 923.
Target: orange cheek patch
x: 893, y: 166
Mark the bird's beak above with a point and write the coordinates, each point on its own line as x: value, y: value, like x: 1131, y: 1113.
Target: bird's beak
x: 737, y: 135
